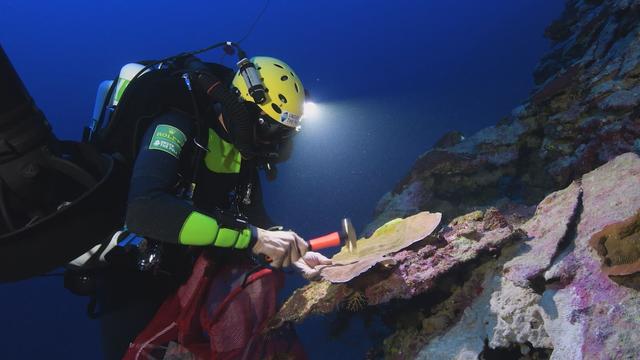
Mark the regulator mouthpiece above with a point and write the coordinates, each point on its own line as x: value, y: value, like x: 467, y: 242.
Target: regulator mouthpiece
x: 252, y: 79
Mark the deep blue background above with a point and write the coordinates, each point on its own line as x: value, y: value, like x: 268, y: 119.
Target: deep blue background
x: 392, y: 77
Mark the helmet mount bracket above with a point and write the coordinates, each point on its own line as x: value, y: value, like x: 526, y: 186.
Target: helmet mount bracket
x: 252, y: 80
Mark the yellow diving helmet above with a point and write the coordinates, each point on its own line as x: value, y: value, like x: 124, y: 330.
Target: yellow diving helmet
x: 283, y: 97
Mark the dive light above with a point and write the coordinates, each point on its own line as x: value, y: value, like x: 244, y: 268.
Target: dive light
x: 246, y: 68
x: 252, y: 79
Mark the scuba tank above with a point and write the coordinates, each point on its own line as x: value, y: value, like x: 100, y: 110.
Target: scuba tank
x: 108, y: 96
x: 98, y: 107
x: 127, y: 73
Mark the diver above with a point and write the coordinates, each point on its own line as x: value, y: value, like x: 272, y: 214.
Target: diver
x: 195, y: 185
x: 185, y: 140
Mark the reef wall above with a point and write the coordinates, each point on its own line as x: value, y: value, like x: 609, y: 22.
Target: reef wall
x: 560, y: 283
x: 551, y: 294
x: 540, y: 254
x: 583, y: 112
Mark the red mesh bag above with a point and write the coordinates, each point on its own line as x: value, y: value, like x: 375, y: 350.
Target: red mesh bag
x: 218, y: 315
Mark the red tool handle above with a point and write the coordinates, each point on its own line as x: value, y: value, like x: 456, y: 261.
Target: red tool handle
x: 326, y: 241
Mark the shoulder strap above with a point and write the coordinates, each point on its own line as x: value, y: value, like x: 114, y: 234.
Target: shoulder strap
x: 200, y: 142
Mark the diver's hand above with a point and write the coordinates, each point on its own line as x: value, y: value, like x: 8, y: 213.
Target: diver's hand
x: 280, y: 248
x: 308, y: 264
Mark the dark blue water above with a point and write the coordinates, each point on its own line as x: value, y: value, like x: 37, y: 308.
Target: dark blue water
x: 390, y: 78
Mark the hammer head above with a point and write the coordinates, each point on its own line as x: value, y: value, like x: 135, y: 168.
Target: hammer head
x: 350, y: 235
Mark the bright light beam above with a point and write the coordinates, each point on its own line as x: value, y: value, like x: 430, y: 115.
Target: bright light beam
x: 310, y: 109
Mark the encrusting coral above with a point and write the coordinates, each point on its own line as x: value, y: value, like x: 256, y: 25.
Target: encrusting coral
x: 619, y: 245
x: 394, y: 236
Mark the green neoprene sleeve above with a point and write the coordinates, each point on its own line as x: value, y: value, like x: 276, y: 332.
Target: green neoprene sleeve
x: 202, y: 230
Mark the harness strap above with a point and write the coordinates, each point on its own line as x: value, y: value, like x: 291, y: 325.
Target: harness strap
x: 201, y: 138
x: 3, y: 208
x: 71, y: 170
x: 21, y: 130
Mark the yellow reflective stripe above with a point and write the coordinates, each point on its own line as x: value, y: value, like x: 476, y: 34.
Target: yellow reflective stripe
x: 222, y: 156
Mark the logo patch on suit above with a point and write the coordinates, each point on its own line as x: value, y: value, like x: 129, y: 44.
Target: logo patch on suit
x: 169, y: 139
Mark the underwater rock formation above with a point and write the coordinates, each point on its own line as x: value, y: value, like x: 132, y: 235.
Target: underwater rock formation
x: 490, y: 281
x: 540, y: 257
x: 582, y: 113
x: 551, y: 222
x: 406, y: 273
x: 573, y: 308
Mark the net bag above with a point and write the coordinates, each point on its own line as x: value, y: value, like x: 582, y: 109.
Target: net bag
x: 219, y: 313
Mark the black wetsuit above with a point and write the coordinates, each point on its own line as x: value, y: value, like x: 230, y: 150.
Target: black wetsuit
x: 155, y: 211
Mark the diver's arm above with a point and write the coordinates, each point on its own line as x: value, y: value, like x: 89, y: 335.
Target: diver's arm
x: 154, y: 210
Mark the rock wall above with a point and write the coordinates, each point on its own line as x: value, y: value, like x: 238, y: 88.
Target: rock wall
x: 582, y: 113
x: 553, y: 291
x: 490, y: 285
x: 540, y: 257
